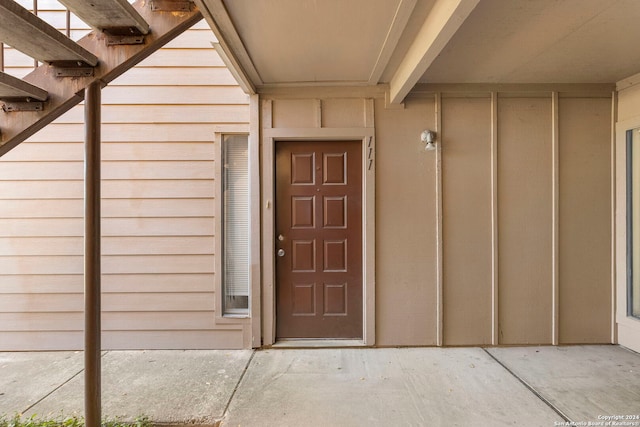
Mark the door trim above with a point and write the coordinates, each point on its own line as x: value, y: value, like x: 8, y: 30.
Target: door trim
x: 269, y: 137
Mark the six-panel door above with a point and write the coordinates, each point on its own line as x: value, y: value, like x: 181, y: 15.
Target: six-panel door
x: 319, y: 239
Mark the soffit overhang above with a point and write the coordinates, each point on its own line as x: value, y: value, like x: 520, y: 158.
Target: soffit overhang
x: 399, y: 43
x: 281, y: 43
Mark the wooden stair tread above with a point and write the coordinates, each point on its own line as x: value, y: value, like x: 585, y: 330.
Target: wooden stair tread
x: 12, y: 88
x: 31, y: 35
x: 114, y: 15
x: 64, y: 93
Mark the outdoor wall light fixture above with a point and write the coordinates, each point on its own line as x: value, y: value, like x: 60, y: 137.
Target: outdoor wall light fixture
x: 429, y: 138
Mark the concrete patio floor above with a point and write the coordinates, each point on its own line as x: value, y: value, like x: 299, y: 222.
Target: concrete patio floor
x: 523, y: 386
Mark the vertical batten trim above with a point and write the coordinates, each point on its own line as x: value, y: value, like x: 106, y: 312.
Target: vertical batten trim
x: 369, y: 113
x: 439, y: 251
x: 267, y: 114
x: 268, y: 243
x: 318, y: 106
x: 495, y: 337
x: 555, y: 218
x: 369, y: 227
x: 614, y: 119
x: 268, y: 261
x: 255, y: 272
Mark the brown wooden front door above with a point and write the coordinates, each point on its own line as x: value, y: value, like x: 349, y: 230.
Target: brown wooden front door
x: 319, y: 239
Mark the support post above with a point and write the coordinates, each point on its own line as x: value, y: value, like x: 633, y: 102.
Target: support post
x: 92, y: 330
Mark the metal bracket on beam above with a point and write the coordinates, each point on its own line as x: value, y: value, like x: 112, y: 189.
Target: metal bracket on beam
x: 171, y: 5
x: 72, y: 69
x: 122, y: 36
x: 113, y: 40
x: 29, y: 104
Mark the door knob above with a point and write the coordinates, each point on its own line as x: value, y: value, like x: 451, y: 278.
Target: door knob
x: 280, y: 252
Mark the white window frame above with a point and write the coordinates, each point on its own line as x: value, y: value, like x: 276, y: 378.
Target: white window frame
x: 241, y: 248
x: 626, y: 328
x: 249, y: 321
x: 632, y: 147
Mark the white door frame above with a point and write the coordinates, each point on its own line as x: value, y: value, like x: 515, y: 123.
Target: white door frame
x: 269, y: 137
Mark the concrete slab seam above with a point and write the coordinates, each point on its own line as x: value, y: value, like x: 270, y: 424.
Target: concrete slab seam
x: 529, y: 387
x: 57, y: 388
x: 235, y: 389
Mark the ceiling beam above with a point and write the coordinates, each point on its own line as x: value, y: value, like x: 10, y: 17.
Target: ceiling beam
x: 233, y: 52
x: 400, y: 19
x: 441, y: 24
x: 236, y: 70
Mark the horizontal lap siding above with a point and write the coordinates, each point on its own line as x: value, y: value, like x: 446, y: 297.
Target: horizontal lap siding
x: 158, y: 210
x: 120, y: 283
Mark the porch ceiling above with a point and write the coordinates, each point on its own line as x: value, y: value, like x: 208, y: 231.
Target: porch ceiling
x: 308, y: 42
x: 403, y: 42
x: 543, y: 41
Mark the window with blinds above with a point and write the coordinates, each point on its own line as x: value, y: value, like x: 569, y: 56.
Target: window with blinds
x: 235, y: 220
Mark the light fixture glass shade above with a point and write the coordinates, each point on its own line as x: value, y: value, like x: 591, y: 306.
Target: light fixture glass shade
x: 429, y: 137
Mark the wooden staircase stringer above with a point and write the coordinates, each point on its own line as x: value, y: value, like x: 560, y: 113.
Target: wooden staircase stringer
x: 66, y: 92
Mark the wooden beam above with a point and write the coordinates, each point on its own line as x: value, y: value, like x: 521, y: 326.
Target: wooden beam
x: 441, y: 24
x: 109, y: 15
x: 222, y: 26
x: 589, y: 90
x: 14, y: 88
x: 399, y: 23
x: 114, y: 61
x: 31, y: 35
x: 236, y: 70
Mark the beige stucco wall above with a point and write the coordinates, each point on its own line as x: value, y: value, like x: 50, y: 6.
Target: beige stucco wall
x: 585, y: 218
x: 406, y: 226
x: 527, y: 211
x: 524, y: 213
x: 524, y: 220
x: 467, y: 220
